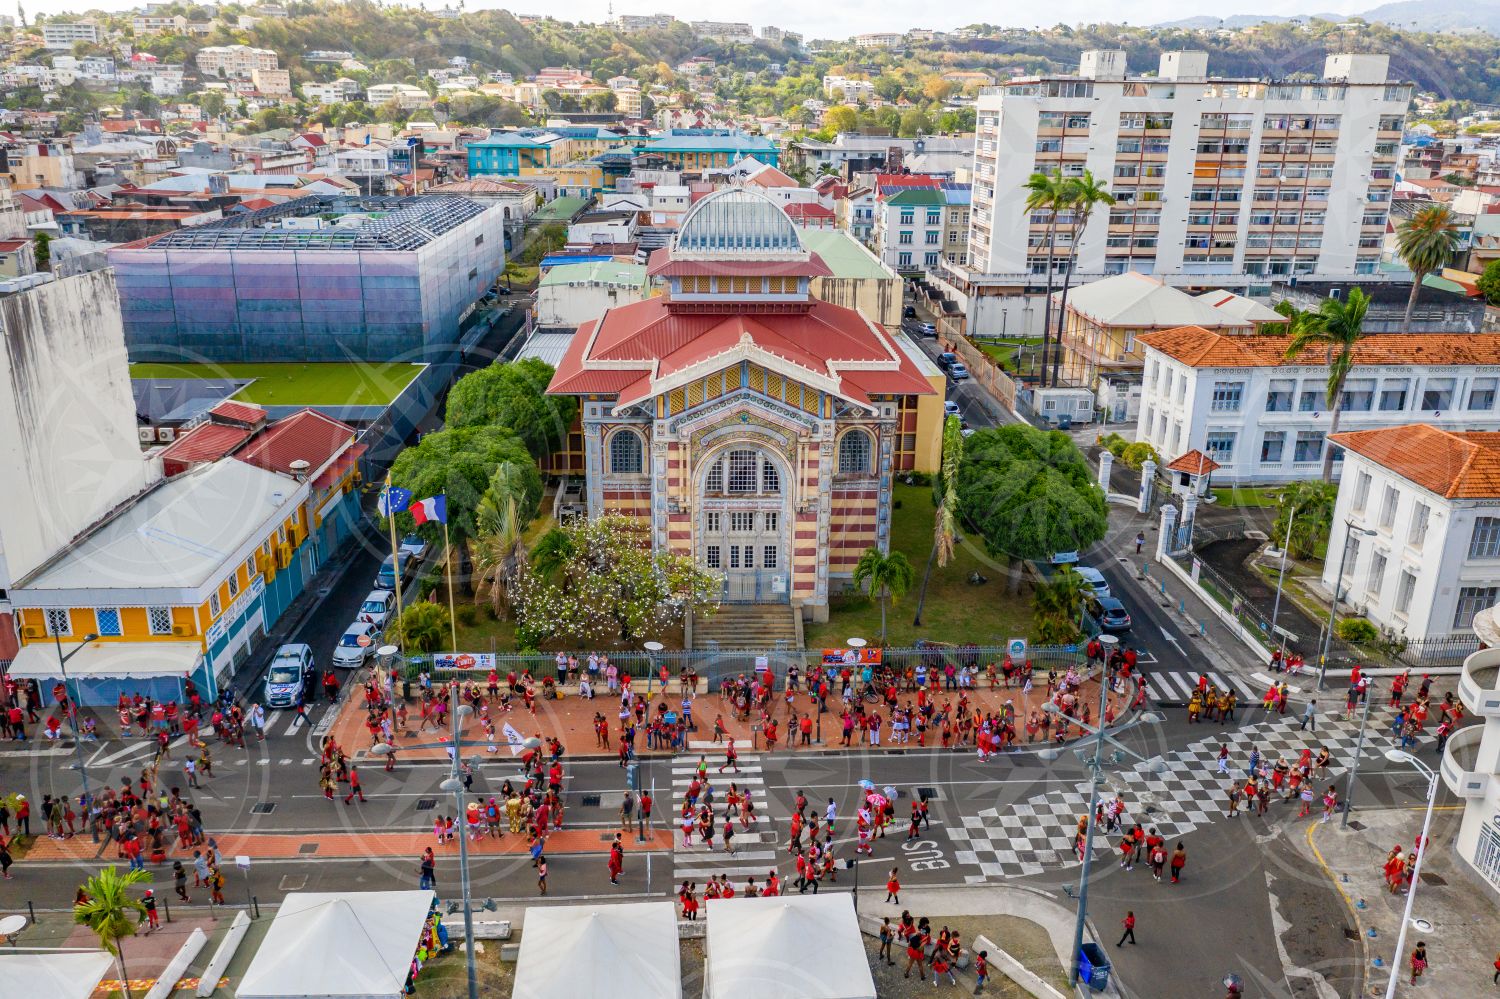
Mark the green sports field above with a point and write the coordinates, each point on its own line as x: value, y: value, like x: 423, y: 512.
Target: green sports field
x: 292, y: 384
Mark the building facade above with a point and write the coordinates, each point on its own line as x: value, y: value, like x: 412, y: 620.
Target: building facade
x: 235, y: 61
x: 1423, y: 556
x: 1278, y: 178
x: 60, y: 36
x: 313, y: 279
x: 1264, y: 419
x: 752, y: 426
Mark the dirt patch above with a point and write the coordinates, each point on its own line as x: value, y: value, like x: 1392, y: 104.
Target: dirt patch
x: 447, y: 977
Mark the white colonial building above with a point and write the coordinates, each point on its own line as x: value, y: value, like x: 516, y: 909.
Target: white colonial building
x: 1417, y: 528
x: 1264, y: 419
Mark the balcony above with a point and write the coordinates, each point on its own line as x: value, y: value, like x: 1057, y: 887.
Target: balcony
x: 1477, y: 684
x: 1460, y: 764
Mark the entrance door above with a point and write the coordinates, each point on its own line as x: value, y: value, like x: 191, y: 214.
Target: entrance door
x: 744, y: 544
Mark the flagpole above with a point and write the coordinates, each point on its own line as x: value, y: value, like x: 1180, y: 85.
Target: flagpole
x: 448, y: 558
x: 395, y: 558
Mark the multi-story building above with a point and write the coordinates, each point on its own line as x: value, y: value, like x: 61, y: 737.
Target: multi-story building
x: 1234, y: 178
x: 154, y: 24
x: 312, y: 279
x: 643, y: 22
x: 741, y: 421
x: 878, y: 40
x: 404, y: 94
x: 723, y: 31
x: 275, y: 82
x: 956, y: 223
x: 909, y: 226
x: 628, y: 101
x: 1264, y: 418
x: 1414, y: 528
x: 60, y: 36
x: 234, y: 61
x: 844, y: 89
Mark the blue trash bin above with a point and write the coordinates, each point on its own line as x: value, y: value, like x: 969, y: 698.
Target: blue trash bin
x: 1093, y: 967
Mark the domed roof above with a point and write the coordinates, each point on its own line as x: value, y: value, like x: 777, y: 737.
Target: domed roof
x: 737, y: 222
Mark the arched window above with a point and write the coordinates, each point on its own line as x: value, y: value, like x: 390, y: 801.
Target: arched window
x: 625, y: 453
x: 744, y: 472
x: 770, y: 479
x: 855, y: 453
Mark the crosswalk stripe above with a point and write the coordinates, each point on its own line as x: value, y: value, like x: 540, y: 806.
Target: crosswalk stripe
x: 291, y: 729
x: 1177, y: 685
x: 741, y: 780
x: 695, y: 873
x: 744, y: 768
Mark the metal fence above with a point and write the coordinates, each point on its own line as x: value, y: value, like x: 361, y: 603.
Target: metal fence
x: 715, y: 664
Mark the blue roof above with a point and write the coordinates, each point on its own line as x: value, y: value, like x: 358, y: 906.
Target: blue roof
x: 711, y: 143
x: 957, y: 195
x: 527, y: 138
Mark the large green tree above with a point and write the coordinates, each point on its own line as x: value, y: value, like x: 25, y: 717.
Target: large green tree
x: 514, y: 395
x: 499, y: 551
x: 945, y: 499
x: 423, y: 628
x: 1307, y: 509
x: 1029, y: 493
x: 1081, y: 195
x: 112, y: 913
x: 1056, y: 606
x: 1426, y: 242
x: 460, y: 463
x: 1336, y: 328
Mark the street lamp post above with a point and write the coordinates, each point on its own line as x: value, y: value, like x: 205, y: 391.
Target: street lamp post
x: 652, y: 648
x: 1359, y: 748
x: 1401, y: 756
x: 455, y: 784
x: 1096, y: 774
x: 62, y: 664
x: 1333, y: 605
x: 1291, y: 519
x: 856, y: 644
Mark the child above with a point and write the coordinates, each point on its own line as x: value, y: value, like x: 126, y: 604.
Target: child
x: 981, y: 970
x: 153, y: 922
x: 893, y: 888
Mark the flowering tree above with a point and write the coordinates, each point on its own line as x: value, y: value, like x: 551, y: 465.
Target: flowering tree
x: 608, y: 586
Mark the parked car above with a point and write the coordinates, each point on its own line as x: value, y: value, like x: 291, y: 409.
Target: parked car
x: 414, y: 545
x: 1112, y: 614
x: 290, y: 676
x: 377, y: 607
x: 950, y: 408
x: 929, y: 330
x: 910, y: 312
x: 385, y: 576
x: 349, y: 652
x: 1098, y: 585
x: 958, y: 371
x: 947, y: 359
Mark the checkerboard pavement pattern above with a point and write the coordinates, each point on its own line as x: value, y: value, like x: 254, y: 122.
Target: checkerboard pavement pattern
x: 1036, y: 835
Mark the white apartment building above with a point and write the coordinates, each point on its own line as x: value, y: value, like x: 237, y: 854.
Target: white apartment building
x: 61, y: 35
x: 643, y: 22
x: 1213, y: 176
x: 723, y: 31
x: 275, y: 82
x: 1423, y: 556
x: 321, y: 93
x: 404, y: 94
x: 847, y: 90
x: 1264, y: 419
x: 236, y: 61
x: 878, y: 40
x: 152, y: 24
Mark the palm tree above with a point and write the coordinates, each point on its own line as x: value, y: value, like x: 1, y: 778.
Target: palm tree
x: 1337, y: 327
x: 945, y: 495
x: 1056, y: 605
x: 889, y: 576
x: 1426, y: 242
x: 500, y: 550
x: 1083, y: 195
x: 109, y: 909
x: 552, y: 553
x: 421, y: 628
x: 1046, y: 192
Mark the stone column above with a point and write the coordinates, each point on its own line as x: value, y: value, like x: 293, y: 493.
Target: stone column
x: 1148, y: 486
x: 1106, y: 462
x: 1189, y: 515
x: 1168, y: 528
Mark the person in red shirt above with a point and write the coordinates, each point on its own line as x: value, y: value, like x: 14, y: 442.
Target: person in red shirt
x: 354, y: 788
x: 893, y: 888
x: 1129, y: 923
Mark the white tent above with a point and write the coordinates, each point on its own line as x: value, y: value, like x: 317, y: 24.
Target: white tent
x: 54, y: 975
x: 620, y: 951
x: 786, y: 947
x: 348, y: 945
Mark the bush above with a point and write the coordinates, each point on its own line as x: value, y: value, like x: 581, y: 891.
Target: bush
x: 1114, y: 444
x: 467, y: 615
x: 1135, y: 455
x: 1357, y: 631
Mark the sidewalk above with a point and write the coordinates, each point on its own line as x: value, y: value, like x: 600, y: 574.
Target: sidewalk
x: 571, y: 720
x: 1460, y: 939
x: 322, y: 845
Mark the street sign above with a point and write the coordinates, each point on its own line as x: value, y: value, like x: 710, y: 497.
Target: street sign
x: 363, y: 641
x: 1016, y: 647
x: 242, y: 862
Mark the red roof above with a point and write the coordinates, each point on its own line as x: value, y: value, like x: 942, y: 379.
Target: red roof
x: 239, y: 412
x: 1195, y: 462
x: 256, y: 204
x: 662, y: 264
x: 312, y: 139
x: 633, y: 349
x: 808, y: 210
x: 7, y: 245
x: 205, y: 442
x: 309, y: 436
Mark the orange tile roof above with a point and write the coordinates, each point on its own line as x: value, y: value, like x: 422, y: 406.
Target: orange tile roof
x: 1453, y: 464
x: 1195, y: 462
x: 1202, y: 348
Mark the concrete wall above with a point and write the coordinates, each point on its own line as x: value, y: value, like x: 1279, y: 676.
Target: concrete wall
x: 879, y: 299
x: 68, y: 440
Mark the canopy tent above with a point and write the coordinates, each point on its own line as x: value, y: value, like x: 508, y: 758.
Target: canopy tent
x: 621, y: 951
x: 100, y: 671
x: 55, y: 975
x: 341, y: 945
x: 786, y: 947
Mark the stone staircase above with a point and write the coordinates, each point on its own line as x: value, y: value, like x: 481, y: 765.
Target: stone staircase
x: 747, y: 626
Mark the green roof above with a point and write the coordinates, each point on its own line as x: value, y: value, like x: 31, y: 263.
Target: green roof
x: 296, y: 384
x: 601, y: 271
x: 560, y: 209
x: 918, y: 196
x: 843, y: 254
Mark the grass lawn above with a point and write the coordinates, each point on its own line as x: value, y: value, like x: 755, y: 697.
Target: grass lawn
x: 523, y: 276
x: 1003, y: 353
x: 1246, y: 496
x: 955, y: 611
x: 292, y: 384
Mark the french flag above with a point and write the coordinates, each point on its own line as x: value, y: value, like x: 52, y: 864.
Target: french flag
x: 434, y: 508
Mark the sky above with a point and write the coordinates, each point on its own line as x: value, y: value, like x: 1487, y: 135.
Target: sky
x: 857, y: 16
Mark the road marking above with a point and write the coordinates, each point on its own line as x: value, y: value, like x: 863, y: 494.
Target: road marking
x: 1173, y: 639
